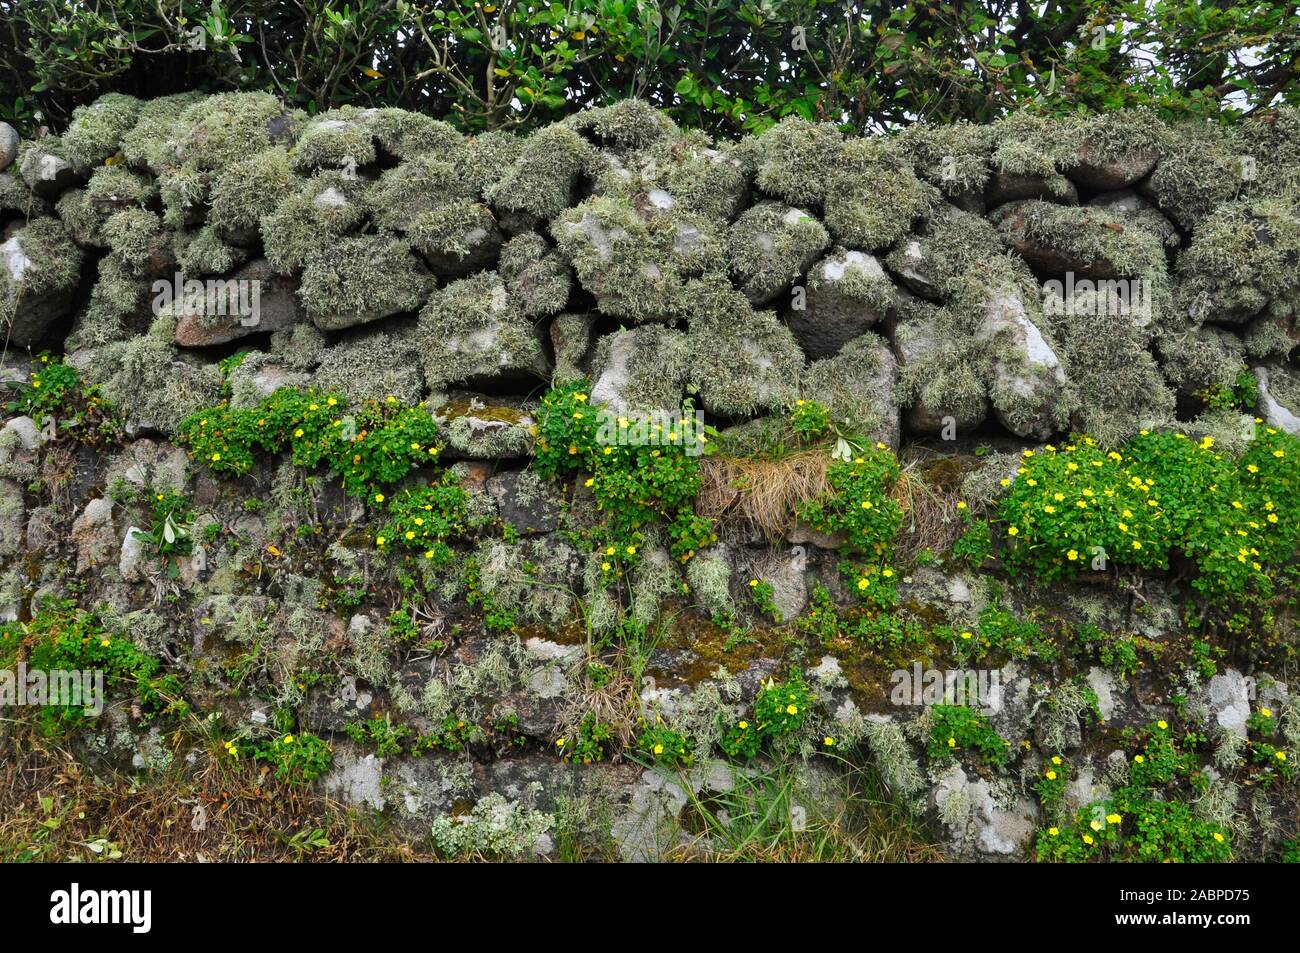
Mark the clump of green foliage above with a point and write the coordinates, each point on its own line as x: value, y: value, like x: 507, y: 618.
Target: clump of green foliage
x: 960, y: 727
x: 375, y: 444
x: 642, y: 473
x: 1160, y: 494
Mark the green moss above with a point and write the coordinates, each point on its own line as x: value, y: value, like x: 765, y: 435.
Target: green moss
x: 310, y: 221
x: 542, y: 181
x: 96, y: 130
x: 362, y: 278
x: 571, y: 337
x: 300, y: 346
x: 770, y: 246
x: 218, y: 131
x: 80, y: 217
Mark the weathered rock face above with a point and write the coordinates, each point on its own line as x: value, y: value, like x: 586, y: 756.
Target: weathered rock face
x: 1275, y: 413
x: 1097, y: 170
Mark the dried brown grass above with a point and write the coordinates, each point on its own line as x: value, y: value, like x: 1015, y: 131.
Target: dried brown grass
x: 761, y: 494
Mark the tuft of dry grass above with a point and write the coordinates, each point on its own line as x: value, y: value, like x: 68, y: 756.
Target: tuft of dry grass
x: 759, y: 493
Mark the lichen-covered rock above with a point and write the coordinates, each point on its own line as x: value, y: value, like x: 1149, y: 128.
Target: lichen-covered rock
x: 46, y: 171
x: 641, y: 370
x: 873, y: 196
x: 1117, y: 149
x: 742, y: 361
x: 770, y: 246
x: 1090, y: 242
x: 309, y: 220
x: 362, y: 278
x: 857, y: 386
x: 473, y: 331
x: 371, y: 364
x: 635, y: 265
x: 94, y: 534
x: 478, y: 429
x: 848, y: 292
x: 543, y: 181
x: 1026, y: 388
x: 39, y: 270
x: 536, y: 275
x: 525, y: 501
x: 1242, y: 260
x: 96, y: 130
x: 941, y: 386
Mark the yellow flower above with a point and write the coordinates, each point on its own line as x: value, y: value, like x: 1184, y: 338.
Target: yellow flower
x: 1096, y: 825
x: 1013, y: 531
x: 1087, y: 838
x: 1113, y: 818
x: 863, y: 583
x: 604, y: 567
x: 828, y: 741
x: 1053, y: 831
x: 1072, y: 555
x: 1056, y: 759
x: 659, y: 749
x: 216, y: 457
x: 288, y: 739
x: 1006, y: 482
x: 1051, y: 775
x: 792, y: 709
x: 1281, y: 755
x: 952, y: 742
x: 744, y: 724
x: 1162, y: 724
x: 631, y: 550
x: 1138, y: 758
x: 105, y: 643
x: 559, y: 742
x: 590, y: 482
x: 1218, y: 837
x: 887, y: 573
x: 961, y: 504
x: 410, y: 534
x: 379, y: 541
x: 428, y: 554
x: 753, y: 582
x: 967, y: 635
x: 379, y: 497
